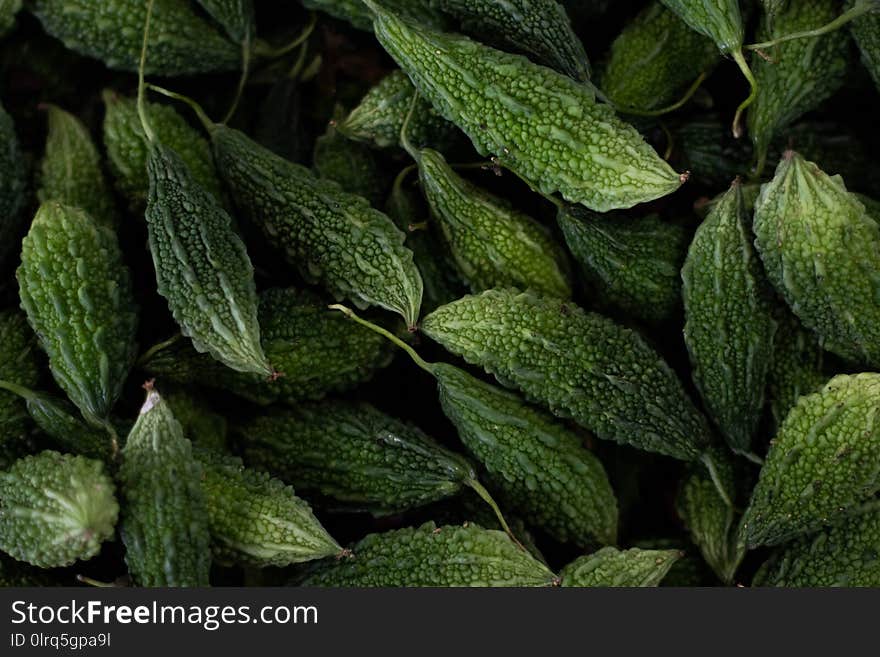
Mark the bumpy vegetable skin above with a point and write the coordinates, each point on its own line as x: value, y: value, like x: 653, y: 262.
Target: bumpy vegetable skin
x: 610, y: 567
x: 12, y: 186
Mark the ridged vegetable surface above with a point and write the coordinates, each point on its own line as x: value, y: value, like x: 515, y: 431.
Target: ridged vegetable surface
x: 8, y: 10
x: 236, y: 17
x: 180, y: 42
x: 847, y: 555
x: 61, y: 422
x: 866, y: 32
x: 705, y: 147
x: 357, y: 13
x: 18, y: 366
x: 446, y: 556
x: 538, y: 28
x: 202, y: 266
x: 331, y: 236
x: 316, y: 349
x: 720, y: 20
x: 71, y: 168
x: 796, y: 368
x: 821, y: 250
x: 540, y: 124
x: 351, y: 164
x: 355, y: 454
x: 15, y: 573
x: 379, y: 117
x: 610, y: 567
x: 540, y: 467
x: 823, y: 463
x: 77, y: 294
x: 803, y: 74
x: 204, y: 427
x: 257, y: 520
x: 633, y: 263
x: 728, y: 322
x: 126, y: 146
x: 655, y: 56
x: 580, y: 365
x: 55, y: 509
x: 164, y: 516
x: 712, y: 523
x: 12, y: 187
x: 492, y: 243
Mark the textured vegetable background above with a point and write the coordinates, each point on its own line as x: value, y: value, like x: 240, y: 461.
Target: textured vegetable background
x: 641, y: 351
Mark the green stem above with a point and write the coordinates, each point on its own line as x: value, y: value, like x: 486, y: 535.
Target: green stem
x: 142, y: 113
x: 740, y: 60
x: 404, y: 140
x: 96, y: 583
x: 418, y: 360
x: 263, y: 50
x: 398, y: 181
x: 706, y: 459
x: 846, y: 17
x: 21, y: 391
x: 208, y: 124
x: 669, y: 108
x: 480, y: 490
x: 751, y: 456
x: 156, y: 348
x: 242, y: 81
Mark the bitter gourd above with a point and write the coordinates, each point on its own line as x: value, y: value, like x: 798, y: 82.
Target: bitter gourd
x: 632, y: 262
x: 55, y: 509
x: 654, y: 57
x: 355, y: 454
x: 824, y: 462
x: 164, y: 523
x: 180, y: 42
x: 380, y: 116
x: 126, y: 146
x: 199, y: 422
x: 580, y: 365
x: 705, y: 147
x: 12, y: 186
x: 728, y: 322
x: 796, y: 367
x: 610, y: 567
x: 712, y: 523
x: 539, y: 28
x: 821, y: 251
x: 405, y: 206
x: 331, y: 236
x: 315, y: 348
x: 540, y: 467
x: 17, y: 574
x: 71, y: 168
x: 77, y: 294
x: 202, y: 266
x: 428, y: 555
x: 18, y: 366
x: 540, y: 124
x: 58, y: 420
x: 257, y: 520
x: 845, y: 555
x: 236, y: 17
x: 351, y: 164
x: 866, y: 33
x: 492, y: 243
x: 803, y: 74
x: 357, y: 13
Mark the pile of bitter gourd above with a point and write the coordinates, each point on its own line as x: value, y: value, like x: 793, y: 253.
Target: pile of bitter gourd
x: 439, y: 292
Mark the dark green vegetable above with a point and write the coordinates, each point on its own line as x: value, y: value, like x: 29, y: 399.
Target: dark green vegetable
x: 257, y: 520
x: 8, y: 10
x: 165, y: 515
x: 180, y: 42
x: 580, y: 365
x: 728, y: 322
x: 355, y: 454
x: 203, y: 427
x: 12, y: 187
x: 612, y: 567
x: 236, y: 17
x: 434, y: 556
x: 55, y: 509
x: 316, y: 349
x: 538, y: 28
x: 357, y: 13
x: 19, y: 367
x: 350, y: 164
x: 705, y: 147
x: 77, y: 294
x: 540, y: 124
x: 71, y: 168
x: 653, y: 59
x: 866, y: 32
x: 633, y: 263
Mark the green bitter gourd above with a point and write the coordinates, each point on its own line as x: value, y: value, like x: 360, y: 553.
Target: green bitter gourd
x: 12, y: 186
x: 610, y: 567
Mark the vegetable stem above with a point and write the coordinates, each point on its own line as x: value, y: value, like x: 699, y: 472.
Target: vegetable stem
x: 860, y: 9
